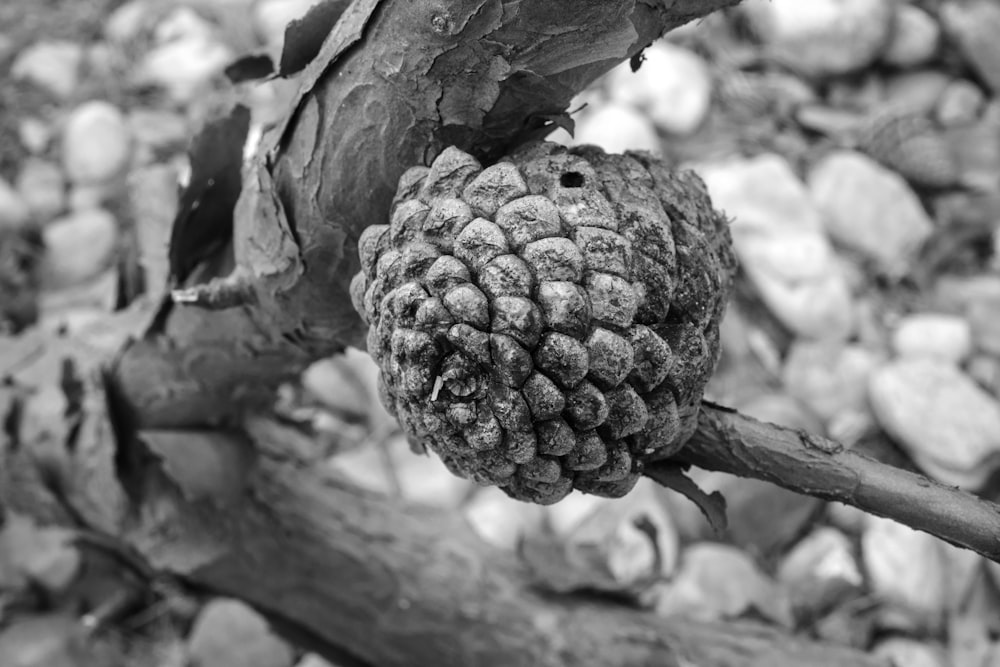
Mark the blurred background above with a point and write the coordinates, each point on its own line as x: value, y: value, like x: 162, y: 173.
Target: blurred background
x: 854, y: 144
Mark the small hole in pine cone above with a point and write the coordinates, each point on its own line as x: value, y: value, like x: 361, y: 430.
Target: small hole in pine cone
x: 571, y: 179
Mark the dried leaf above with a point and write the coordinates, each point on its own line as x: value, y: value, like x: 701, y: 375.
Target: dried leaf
x: 616, y: 546
x: 42, y: 555
x: 250, y: 68
x: 204, y: 221
x: 304, y: 37
x: 712, y: 505
x: 205, y: 465
x: 716, y: 582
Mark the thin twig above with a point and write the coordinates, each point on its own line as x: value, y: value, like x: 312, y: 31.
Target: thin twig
x: 731, y: 442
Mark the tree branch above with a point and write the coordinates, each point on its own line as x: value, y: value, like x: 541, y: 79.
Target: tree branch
x: 731, y: 442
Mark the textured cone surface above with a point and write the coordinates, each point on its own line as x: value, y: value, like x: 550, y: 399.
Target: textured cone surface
x: 549, y: 322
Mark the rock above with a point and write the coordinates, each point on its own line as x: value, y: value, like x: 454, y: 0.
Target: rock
x: 159, y: 129
x: 813, y: 34
x: 830, y: 377
x: 228, y: 633
x: 779, y: 238
x: 182, y: 23
x: 780, y: 409
x: 51, y: 65
x: 127, y: 21
x: 672, y: 87
x: 184, y: 67
x: 820, y: 571
x: 14, y: 211
x: 974, y: 25
x: 34, y: 133
x: 96, y: 144
x: 984, y: 319
x: 906, y: 568
x: 977, y: 150
x: 915, y: 91
x: 934, y: 336
x: 270, y: 17
x: 617, y: 128
x: 313, y: 660
x: 985, y: 370
x: 499, y: 519
x: 78, y: 247
x: 960, y: 103
x: 869, y: 209
x: 43, y: 188
x: 88, y: 196
x: 947, y: 423
x: 914, y: 40
x: 911, y: 653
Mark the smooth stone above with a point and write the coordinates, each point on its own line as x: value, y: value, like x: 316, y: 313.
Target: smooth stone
x: 960, y: 103
x: 14, y: 211
x: 974, y: 25
x: 35, y: 134
x: 933, y: 335
x: 230, y: 633
x: 617, y: 128
x: 43, y: 188
x: 915, y: 38
x: 779, y: 238
x: 947, y: 423
x: 96, y: 143
x: 78, y: 247
x: 185, y: 67
x: 673, y: 87
x: 830, y: 377
x: 820, y: 570
x: 813, y: 34
x: 51, y: 65
x: 869, y: 209
x: 271, y: 17
x: 906, y: 568
x: 911, y: 653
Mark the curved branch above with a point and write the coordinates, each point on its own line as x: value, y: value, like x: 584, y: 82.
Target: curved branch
x: 731, y: 442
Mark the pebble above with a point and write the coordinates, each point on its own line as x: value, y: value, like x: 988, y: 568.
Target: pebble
x: 984, y: 319
x: 914, y: 40
x: 906, y: 568
x: 672, y: 87
x: 977, y: 152
x: 229, y: 633
x: 780, y: 242
x: 820, y: 570
x: 617, y: 128
x: 974, y: 25
x: 869, y: 209
x: 822, y: 37
x: 313, y: 660
x: 14, y: 211
x: 270, y: 17
x: 933, y: 336
x: 184, y: 67
x: 830, y: 377
x: 78, y: 247
x: 781, y: 409
x: 499, y: 520
x: 43, y: 188
x: 911, y: 653
x: 34, y: 133
x: 960, y: 103
x: 944, y: 420
x: 915, y: 91
x: 51, y: 65
x: 127, y: 21
x: 158, y: 128
x: 96, y: 144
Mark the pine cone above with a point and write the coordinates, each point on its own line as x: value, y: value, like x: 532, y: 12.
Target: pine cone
x: 549, y: 322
